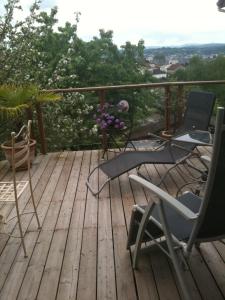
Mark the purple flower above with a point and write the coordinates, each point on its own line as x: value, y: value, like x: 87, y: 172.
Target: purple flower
x: 106, y: 115
x: 106, y: 105
x: 103, y: 125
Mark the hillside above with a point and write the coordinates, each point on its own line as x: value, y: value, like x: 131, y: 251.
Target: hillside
x: 205, y: 49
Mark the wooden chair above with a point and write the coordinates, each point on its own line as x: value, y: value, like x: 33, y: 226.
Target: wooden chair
x: 11, y: 191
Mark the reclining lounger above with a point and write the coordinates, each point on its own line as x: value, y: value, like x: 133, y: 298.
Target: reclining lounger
x: 197, y: 117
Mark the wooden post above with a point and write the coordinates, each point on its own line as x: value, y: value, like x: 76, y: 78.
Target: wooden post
x: 41, y: 129
x: 104, y: 134
x: 167, y: 108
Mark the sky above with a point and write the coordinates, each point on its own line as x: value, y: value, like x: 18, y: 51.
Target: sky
x: 158, y: 23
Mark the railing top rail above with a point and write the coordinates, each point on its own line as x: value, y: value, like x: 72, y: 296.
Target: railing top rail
x: 136, y: 86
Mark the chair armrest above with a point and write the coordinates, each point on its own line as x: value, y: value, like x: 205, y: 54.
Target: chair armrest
x: 173, y: 202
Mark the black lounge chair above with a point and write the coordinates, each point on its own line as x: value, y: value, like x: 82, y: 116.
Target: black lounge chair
x: 197, y: 117
x: 187, y: 220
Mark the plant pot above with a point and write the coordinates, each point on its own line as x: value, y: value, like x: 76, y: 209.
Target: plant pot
x: 7, y: 149
x: 166, y: 134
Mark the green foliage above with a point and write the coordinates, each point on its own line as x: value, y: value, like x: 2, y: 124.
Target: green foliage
x: 35, y: 51
x: 69, y: 123
x: 15, y: 98
x: 200, y: 69
x: 159, y: 58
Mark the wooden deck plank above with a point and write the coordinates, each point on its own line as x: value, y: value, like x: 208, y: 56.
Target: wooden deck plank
x: 13, y: 245
x: 70, y: 267
x: 215, y: 264
x: 50, y: 278
x: 106, y: 282
x: 203, y: 278
x: 24, y: 205
x: 46, y: 197
x: 87, y: 281
x: 166, y: 286
x: 123, y: 268
x: 64, y: 218
x: 37, y: 262
x: 80, y: 253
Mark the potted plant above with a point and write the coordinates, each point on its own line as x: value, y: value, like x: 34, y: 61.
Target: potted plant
x: 13, y: 101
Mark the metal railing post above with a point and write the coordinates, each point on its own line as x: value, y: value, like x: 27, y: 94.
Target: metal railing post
x: 180, y: 105
x: 104, y: 134
x: 167, y: 108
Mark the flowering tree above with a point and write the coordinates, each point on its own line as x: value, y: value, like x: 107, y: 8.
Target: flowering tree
x: 32, y: 50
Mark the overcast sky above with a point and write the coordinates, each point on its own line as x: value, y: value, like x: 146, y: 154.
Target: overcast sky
x: 168, y: 22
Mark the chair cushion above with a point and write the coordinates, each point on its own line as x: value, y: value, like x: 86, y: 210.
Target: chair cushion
x: 179, y: 226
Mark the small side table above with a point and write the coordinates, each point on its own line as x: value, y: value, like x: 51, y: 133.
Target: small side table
x: 198, y: 137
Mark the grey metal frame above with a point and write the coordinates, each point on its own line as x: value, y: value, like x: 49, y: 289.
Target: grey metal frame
x: 178, y: 248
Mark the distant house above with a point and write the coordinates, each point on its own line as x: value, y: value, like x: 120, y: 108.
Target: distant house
x: 157, y: 73
x: 152, y: 67
x: 174, y: 67
x: 173, y: 61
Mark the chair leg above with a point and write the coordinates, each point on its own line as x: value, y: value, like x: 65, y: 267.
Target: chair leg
x: 197, y: 245
x: 173, y: 253
x: 34, y: 205
x: 131, y: 227
x: 142, y: 226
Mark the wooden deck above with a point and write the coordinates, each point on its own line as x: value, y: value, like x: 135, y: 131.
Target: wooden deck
x: 80, y: 252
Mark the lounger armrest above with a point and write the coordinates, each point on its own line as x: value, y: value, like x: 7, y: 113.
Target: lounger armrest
x: 206, y: 158
x: 157, y: 136
x: 173, y: 202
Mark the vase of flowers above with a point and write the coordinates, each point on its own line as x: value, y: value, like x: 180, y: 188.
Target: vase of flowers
x: 110, y: 119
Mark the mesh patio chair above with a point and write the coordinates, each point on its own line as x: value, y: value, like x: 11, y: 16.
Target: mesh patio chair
x: 197, y: 117
x: 11, y: 191
x: 186, y: 221
x: 199, y: 107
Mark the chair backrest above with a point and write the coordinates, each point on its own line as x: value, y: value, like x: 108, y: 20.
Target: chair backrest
x: 198, y: 110
x: 211, y: 220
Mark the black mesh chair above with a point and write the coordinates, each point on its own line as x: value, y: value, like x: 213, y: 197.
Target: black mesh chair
x: 186, y: 221
x: 197, y: 117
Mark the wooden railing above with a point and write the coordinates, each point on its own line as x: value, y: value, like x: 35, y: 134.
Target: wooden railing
x: 102, y: 90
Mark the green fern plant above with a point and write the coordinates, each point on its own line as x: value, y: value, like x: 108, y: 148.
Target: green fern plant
x: 14, y: 99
